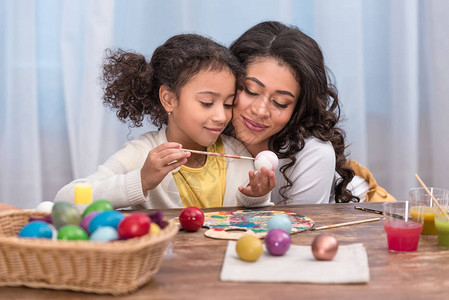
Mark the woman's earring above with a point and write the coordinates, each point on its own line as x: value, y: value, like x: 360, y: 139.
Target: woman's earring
x: 169, y: 113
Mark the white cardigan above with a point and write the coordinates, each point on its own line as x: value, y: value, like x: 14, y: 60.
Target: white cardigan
x: 118, y: 179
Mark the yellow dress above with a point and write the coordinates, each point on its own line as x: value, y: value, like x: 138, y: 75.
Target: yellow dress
x: 203, y: 187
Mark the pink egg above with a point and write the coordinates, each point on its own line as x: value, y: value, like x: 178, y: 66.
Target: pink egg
x: 86, y: 220
x: 266, y: 159
x: 277, y: 242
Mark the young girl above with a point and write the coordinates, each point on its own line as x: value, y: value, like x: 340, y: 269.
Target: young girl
x: 189, y: 86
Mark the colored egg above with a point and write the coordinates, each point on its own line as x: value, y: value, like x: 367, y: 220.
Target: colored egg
x: 104, y: 234
x: 98, y: 205
x: 64, y: 213
x: 266, y: 159
x: 249, y: 248
x: 324, y: 247
x: 191, y: 218
x: 110, y: 218
x: 280, y: 221
x: 36, y: 229
x: 45, y: 206
x: 134, y: 225
x: 154, y: 229
x: 72, y: 233
x: 277, y: 242
x: 157, y: 217
x: 87, y: 219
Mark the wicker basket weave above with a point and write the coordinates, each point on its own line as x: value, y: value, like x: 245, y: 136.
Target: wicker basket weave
x: 117, y: 267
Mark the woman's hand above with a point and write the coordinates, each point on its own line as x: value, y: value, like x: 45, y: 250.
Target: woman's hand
x: 160, y: 161
x: 260, y: 183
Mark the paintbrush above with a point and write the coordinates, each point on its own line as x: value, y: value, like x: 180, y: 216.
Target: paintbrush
x: 219, y: 154
x: 376, y: 211
x: 345, y: 224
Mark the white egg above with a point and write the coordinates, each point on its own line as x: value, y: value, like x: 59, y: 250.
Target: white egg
x: 45, y: 206
x: 266, y: 159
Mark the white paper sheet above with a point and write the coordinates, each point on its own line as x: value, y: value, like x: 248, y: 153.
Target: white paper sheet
x: 350, y: 265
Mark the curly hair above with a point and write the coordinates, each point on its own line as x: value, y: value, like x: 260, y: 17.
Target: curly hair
x: 132, y: 84
x: 317, y: 111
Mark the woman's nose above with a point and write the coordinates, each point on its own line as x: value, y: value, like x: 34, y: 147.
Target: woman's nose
x: 260, y: 108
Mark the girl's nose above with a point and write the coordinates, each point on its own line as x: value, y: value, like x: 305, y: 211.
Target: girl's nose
x: 221, y: 115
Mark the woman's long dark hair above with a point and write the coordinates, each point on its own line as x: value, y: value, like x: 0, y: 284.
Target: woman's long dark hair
x: 317, y: 111
x: 132, y: 84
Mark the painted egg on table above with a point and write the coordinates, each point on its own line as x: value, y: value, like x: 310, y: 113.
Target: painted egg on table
x: 191, y: 218
x: 104, y: 234
x: 266, y: 159
x: 45, y: 206
x: 280, y: 221
x: 72, y: 233
x: 324, y: 247
x: 98, y: 205
x: 87, y: 219
x: 106, y: 218
x: 277, y: 242
x: 249, y: 248
x: 64, y: 213
x: 134, y: 225
x: 36, y: 229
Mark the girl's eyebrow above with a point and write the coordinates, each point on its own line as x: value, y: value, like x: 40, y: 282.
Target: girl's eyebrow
x: 263, y: 85
x: 208, y: 93
x: 215, y: 94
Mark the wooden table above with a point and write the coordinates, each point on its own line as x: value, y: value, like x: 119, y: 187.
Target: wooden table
x: 194, y: 269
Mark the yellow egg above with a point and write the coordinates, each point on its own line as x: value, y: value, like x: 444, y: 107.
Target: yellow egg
x: 154, y: 229
x: 249, y: 248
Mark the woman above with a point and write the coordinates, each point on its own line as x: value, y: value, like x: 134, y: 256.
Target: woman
x: 286, y: 104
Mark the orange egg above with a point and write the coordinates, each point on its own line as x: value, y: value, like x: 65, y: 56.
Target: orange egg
x: 324, y: 247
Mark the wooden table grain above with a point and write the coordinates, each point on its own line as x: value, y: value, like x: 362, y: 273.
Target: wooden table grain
x: 192, y: 270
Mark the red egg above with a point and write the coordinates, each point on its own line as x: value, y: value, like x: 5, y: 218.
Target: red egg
x: 134, y: 225
x: 191, y: 218
x: 324, y: 247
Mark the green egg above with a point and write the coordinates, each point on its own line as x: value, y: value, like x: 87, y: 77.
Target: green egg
x: 72, y: 233
x: 64, y: 213
x: 98, y: 205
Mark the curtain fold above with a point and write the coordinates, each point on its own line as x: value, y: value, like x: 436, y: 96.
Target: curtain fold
x: 389, y: 59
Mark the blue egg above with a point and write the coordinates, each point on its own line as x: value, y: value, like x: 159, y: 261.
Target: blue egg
x: 109, y: 218
x: 36, y: 229
x: 104, y: 234
x: 280, y: 221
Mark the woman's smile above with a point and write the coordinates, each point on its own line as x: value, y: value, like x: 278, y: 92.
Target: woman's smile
x: 253, y: 125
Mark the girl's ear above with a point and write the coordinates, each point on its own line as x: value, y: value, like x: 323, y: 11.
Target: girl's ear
x: 167, y: 98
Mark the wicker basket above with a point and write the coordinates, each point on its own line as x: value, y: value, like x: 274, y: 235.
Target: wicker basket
x: 117, y: 267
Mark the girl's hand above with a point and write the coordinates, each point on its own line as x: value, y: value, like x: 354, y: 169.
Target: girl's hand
x: 260, y: 183
x: 160, y: 161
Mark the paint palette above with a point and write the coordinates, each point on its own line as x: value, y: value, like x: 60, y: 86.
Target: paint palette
x: 231, y: 225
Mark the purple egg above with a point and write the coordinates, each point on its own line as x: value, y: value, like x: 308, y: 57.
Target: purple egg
x: 46, y: 219
x: 158, y: 218
x: 277, y: 242
x: 86, y: 220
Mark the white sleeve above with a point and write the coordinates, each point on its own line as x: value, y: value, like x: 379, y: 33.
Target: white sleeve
x: 253, y: 202
x: 237, y: 175
x: 312, y: 175
x: 117, y: 180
